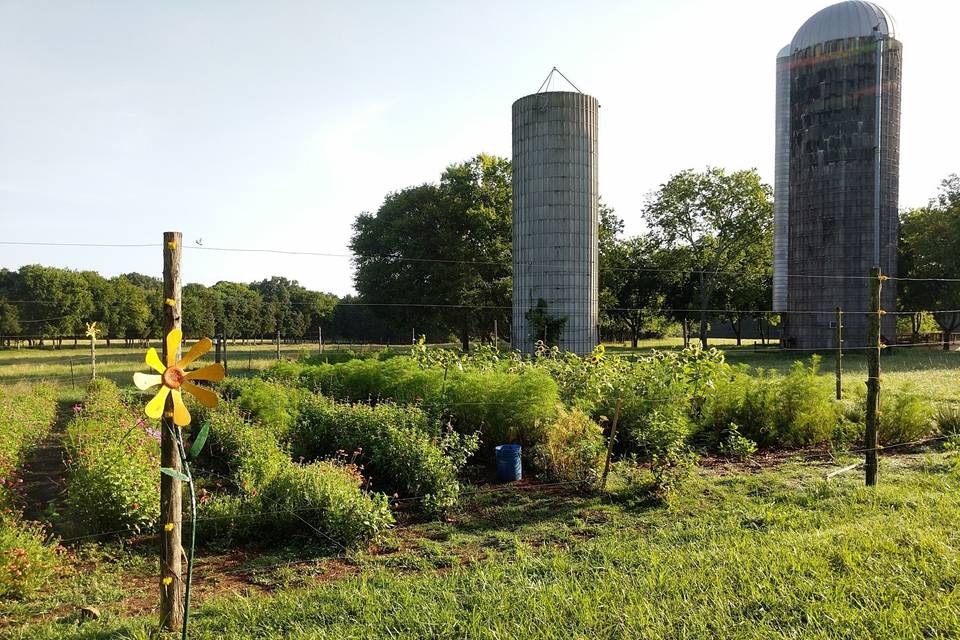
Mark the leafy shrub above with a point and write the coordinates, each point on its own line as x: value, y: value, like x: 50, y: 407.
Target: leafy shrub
x: 113, y: 465
x: 947, y: 419
x: 247, y: 453
x: 662, y: 395
x: 26, y: 561
x: 789, y: 410
x: 275, y: 405
x: 277, y: 497
x: 905, y: 416
x: 326, y: 497
x: 26, y: 414
x: 735, y: 445
x: 572, y: 448
x: 671, y: 471
x: 503, y: 406
x: 400, y: 446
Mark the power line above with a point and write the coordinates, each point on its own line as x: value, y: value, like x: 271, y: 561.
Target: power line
x: 710, y: 272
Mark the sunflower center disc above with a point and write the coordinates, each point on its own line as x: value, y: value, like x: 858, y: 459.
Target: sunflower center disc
x: 173, y: 377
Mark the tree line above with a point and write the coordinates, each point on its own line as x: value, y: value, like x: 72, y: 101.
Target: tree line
x: 435, y: 260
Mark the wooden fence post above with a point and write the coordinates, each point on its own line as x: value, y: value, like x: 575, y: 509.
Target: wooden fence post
x: 613, y: 435
x: 873, y: 376
x: 171, y: 501
x: 223, y: 337
x: 839, y: 340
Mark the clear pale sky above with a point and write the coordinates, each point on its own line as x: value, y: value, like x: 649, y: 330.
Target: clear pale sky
x: 272, y: 124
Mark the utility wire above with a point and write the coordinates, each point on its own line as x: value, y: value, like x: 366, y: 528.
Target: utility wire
x: 710, y: 272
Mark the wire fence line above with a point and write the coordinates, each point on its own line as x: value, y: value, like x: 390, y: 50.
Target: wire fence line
x: 728, y: 311
x: 394, y: 258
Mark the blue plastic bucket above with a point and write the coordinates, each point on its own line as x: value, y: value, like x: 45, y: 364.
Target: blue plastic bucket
x: 509, y: 468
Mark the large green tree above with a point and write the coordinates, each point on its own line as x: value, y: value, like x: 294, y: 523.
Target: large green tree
x: 930, y: 252
x: 717, y: 218
x: 57, y: 301
x: 437, y: 256
x: 128, y: 313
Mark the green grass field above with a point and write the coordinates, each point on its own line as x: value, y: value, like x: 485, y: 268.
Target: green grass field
x: 739, y: 553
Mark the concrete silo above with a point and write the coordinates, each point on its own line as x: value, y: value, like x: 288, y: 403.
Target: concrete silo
x: 555, y: 218
x: 837, y: 172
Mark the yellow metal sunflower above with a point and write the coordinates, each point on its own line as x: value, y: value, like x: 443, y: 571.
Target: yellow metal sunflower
x: 175, y: 380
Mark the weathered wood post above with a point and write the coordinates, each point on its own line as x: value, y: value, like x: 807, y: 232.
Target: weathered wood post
x: 278, y: 344
x: 873, y: 376
x: 223, y: 338
x: 320, y: 338
x: 171, y: 502
x: 838, y: 338
x: 613, y: 435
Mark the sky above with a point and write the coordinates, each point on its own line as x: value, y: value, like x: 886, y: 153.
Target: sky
x: 271, y: 125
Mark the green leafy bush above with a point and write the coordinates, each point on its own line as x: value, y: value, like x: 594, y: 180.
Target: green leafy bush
x: 113, y: 465
x: 300, y: 494
x: 905, y: 417
x: 572, y: 448
x: 735, y: 445
x: 789, y: 410
x: 26, y: 560
x: 947, y: 419
x: 671, y: 471
x: 400, y: 446
x: 276, y: 497
x: 274, y: 404
x: 503, y: 406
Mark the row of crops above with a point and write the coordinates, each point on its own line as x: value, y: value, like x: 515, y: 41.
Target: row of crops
x: 330, y: 449
x: 26, y: 558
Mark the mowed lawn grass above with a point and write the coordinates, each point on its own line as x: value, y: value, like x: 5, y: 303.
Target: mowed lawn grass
x: 780, y: 553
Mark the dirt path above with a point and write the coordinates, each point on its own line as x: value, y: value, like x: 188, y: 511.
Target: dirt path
x: 44, y: 471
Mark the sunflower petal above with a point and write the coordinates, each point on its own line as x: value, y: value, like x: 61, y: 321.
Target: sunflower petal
x: 200, y: 348
x: 213, y: 373
x: 181, y: 417
x: 144, y: 381
x: 206, y: 397
x: 174, y: 338
x: 153, y: 360
x: 154, y: 408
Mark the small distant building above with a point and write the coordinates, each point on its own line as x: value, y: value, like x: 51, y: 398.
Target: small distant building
x: 836, y: 173
x: 555, y: 220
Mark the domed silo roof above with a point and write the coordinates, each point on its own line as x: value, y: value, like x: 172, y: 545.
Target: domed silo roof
x: 850, y: 19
